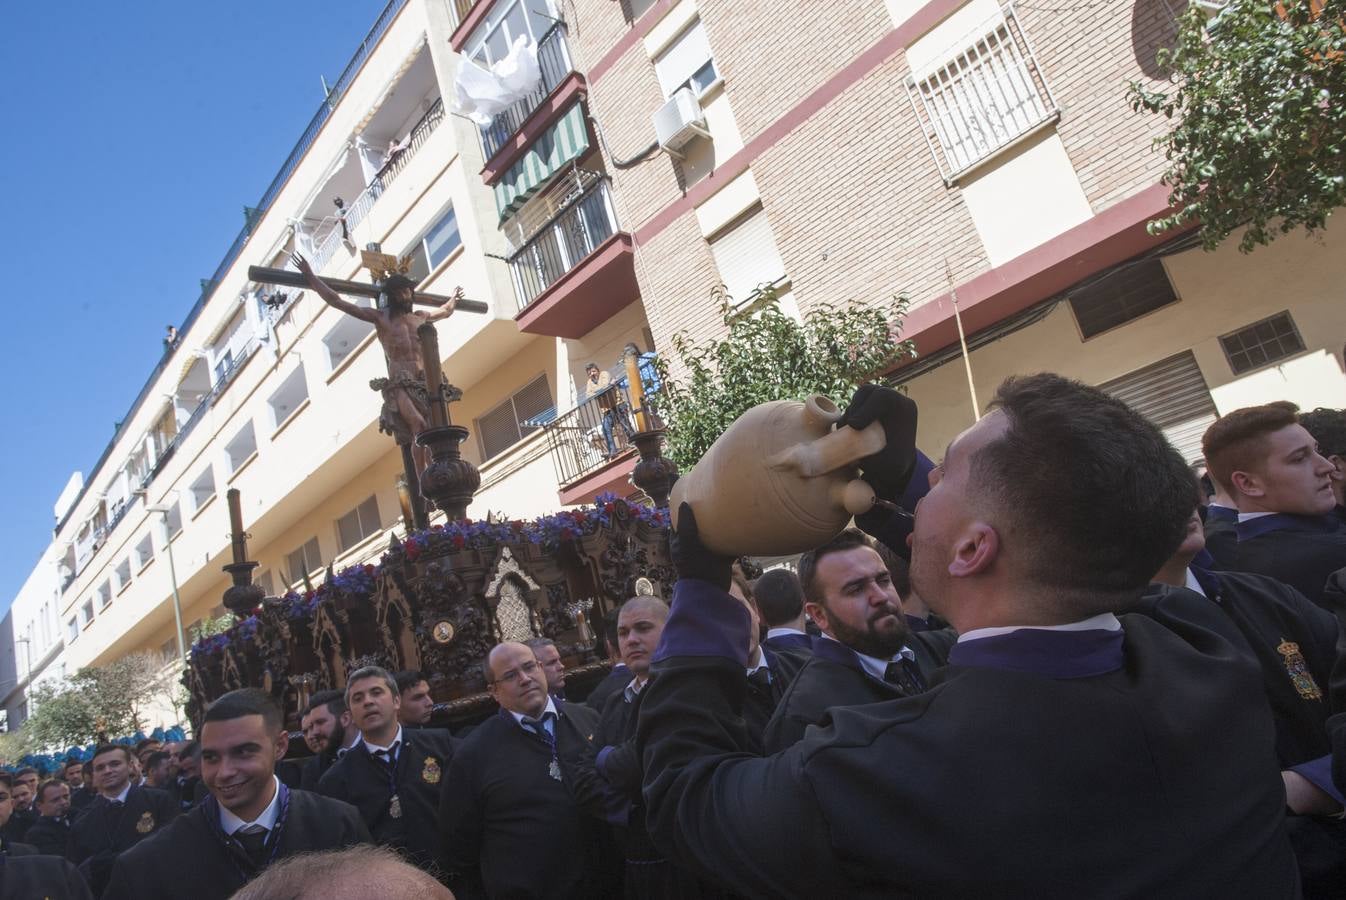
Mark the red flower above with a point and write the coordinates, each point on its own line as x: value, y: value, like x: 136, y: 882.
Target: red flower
x: 369, y: 568
x: 458, y: 542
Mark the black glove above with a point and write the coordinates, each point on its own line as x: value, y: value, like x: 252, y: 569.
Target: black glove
x: 889, y: 470
x: 691, y: 558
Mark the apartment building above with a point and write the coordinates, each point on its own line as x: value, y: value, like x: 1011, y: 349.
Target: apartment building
x: 979, y: 158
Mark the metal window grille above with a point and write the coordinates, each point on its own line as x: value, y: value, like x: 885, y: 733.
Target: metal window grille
x: 986, y: 96
x: 1123, y: 295
x: 1262, y: 343
x: 509, y: 422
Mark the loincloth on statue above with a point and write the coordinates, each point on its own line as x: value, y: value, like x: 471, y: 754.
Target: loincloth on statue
x: 390, y: 418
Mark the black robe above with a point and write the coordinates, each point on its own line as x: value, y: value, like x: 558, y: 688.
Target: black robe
x: 313, y: 769
x: 1154, y: 776
x: 190, y: 857
x: 833, y: 677
x: 16, y: 829
x: 49, y: 834
x: 510, y: 829
x: 10, y: 848
x: 81, y: 800
x: 1302, y: 551
x: 612, y: 683
x: 1295, y: 643
x: 364, y: 782
x: 48, y: 877
x: 104, y: 831
x: 760, y: 702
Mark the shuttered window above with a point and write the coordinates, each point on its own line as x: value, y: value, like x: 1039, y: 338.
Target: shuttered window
x: 1262, y: 343
x: 1173, y: 395
x: 504, y: 426
x: 358, y: 524
x: 746, y: 255
x: 1123, y: 295
x: 304, y: 560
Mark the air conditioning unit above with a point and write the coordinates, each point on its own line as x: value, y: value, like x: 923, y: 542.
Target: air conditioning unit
x: 679, y: 121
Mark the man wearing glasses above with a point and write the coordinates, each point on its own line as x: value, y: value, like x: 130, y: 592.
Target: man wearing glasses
x: 505, y: 791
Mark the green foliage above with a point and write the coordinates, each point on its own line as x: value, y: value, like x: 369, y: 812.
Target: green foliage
x: 767, y: 356
x: 211, y: 627
x: 96, y: 702
x: 1260, y: 104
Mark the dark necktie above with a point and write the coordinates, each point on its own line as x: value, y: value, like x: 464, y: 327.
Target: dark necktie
x: 760, y: 680
x: 253, y: 841
x: 539, y: 726
x: 388, y: 757
x: 903, y: 674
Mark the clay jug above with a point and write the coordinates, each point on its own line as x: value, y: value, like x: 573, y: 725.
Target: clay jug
x: 779, y: 480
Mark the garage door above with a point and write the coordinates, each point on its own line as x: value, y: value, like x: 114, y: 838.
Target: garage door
x: 1173, y: 395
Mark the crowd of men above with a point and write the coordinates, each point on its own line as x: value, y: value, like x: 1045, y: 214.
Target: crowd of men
x: 1081, y: 669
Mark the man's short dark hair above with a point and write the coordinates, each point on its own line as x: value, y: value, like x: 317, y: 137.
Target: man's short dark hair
x: 808, y: 563
x: 44, y: 786
x: 1237, y: 441
x: 158, y: 756
x: 1328, y: 427
x: 408, y: 679
x: 102, y: 749
x: 144, y: 743
x: 1094, y: 495
x: 245, y: 702
x: 373, y: 672
x: 610, y: 630
x: 335, y: 701
x: 188, y: 750
x: 778, y: 597
x: 591, y: 367
x: 25, y: 770
x: 7, y: 780
x: 537, y: 643
x: 65, y: 766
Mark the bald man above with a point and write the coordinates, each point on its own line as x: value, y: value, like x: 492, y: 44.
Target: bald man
x: 353, y: 874
x: 509, y: 825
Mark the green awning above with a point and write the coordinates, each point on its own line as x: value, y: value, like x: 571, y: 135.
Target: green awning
x: 561, y: 143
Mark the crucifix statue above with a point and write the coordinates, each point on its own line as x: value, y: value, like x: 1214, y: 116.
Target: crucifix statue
x: 406, y: 400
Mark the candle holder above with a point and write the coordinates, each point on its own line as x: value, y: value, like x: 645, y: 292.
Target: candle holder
x: 654, y: 473
x: 578, y: 611
x: 449, y: 481
x: 244, y: 596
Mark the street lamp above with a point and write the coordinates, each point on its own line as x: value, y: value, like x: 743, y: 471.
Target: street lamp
x: 163, y: 510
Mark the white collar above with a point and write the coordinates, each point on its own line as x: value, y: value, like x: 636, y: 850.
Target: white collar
x: 872, y: 664
x: 121, y: 798
x: 549, y: 708
x: 1248, y: 517
x: 1103, y: 622
x: 781, y: 632
x: 375, y: 748
x: 1193, y: 584
x: 761, y: 661
x: 232, y: 823
x: 634, y: 687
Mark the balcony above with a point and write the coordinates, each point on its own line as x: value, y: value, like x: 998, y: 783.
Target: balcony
x: 553, y: 59
x: 577, y: 270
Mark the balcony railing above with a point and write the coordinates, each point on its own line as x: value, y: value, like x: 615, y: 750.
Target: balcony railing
x: 596, y: 432
x: 553, y: 57
x: 563, y: 242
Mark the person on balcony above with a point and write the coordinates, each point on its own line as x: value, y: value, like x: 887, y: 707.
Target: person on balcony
x: 600, y: 388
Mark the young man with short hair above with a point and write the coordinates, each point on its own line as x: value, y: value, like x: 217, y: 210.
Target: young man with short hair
x: 7, y: 846
x: 51, y: 832
x: 250, y: 820
x: 618, y: 677
x: 22, y: 815
x: 417, y: 705
x: 327, y: 732
x: 549, y: 657
x: 393, y: 776
x: 780, y: 604
x: 509, y: 826
x: 1282, y: 486
x: 156, y: 770
x: 26, y: 872
x: 123, y: 815
x: 1065, y: 750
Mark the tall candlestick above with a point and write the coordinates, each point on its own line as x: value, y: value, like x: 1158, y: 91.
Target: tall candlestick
x: 439, y: 414
x: 404, y: 499
x: 237, y: 536
x: 635, y: 389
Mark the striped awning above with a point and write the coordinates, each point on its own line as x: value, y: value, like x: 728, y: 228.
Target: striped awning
x: 563, y: 142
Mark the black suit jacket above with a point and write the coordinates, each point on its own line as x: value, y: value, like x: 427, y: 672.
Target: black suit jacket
x: 833, y: 677
x: 363, y: 781
x: 105, y: 831
x: 612, y: 683
x: 501, y: 798
x: 48, y: 877
x: 1301, y: 551
x: 993, y: 783
x: 190, y: 859
x: 80, y: 800
x: 781, y: 642
x: 49, y: 835
x: 16, y: 829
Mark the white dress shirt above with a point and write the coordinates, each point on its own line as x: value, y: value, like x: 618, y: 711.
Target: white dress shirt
x: 232, y: 824
x: 1103, y: 622
x: 375, y: 748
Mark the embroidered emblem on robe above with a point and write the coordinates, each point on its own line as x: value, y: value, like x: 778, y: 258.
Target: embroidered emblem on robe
x: 1298, y: 670
x: 146, y: 823
x: 430, y: 774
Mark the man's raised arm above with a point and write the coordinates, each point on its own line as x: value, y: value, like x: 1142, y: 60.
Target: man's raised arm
x: 329, y: 296
x: 446, y: 309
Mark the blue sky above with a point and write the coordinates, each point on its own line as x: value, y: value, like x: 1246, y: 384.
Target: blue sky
x: 133, y: 136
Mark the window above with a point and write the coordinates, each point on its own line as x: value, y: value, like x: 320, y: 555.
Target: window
x: 86, y: 614
x: 434, y: 246
x: 358, y: 524
x: 503, y: 426
x: 982, y: 98
x: 263, y: 581
x: 202, y: 489
x: 491, y: 41
x: 104, y: 595
x: 144, y: 551
x: 304, y: 560
x: 168, y: 651
x: 241, y: 448
x: 1172, y: 394
x: 687, y: 62
x: 346, y: 335
x: 123, y: 573
x: 1262, y: 343
x: 1120, y: 296
x: 71, y: 630
x: 230, y: 348
x: 173, y: 520
x: 293, y: 391
x: 746, y: 255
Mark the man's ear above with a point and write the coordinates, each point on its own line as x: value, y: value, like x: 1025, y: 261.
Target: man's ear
x: 282, y: 743
x: 346, y: 719
x: 977, y: 550
x: 1247, y: 483
x: 818, y: 613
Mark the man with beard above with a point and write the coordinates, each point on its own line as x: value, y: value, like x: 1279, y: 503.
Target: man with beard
x: 327, y: 732
x: 393, y: 776
x: 250, y: 820
x: 406, y: 405
x: 24, y: 815
x: 866, y: 653
x: 1066, y: 750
